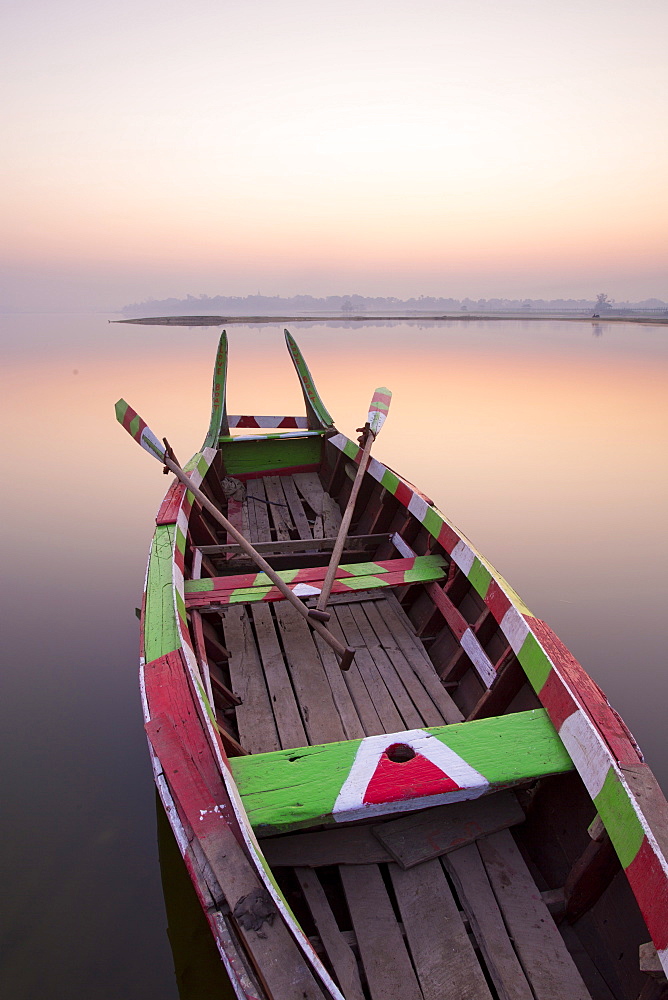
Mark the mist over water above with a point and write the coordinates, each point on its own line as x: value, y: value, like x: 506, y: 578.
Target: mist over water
x: 543, y: 441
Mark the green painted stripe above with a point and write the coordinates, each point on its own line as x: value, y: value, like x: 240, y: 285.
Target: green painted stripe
x: 160, y: 631
x: 390, y: 481
x: 293, y: 789
x: 244, y: 595
x: 534, y: 662
x: 180, y: 541
x: 480, y: 577
x: 362, y: 582
x: 350, y: 449
x: 135, y: 424
x: 181, y: 607
x: 364, y: 569
x: 253, y: 456
x: 433, y: 522
x: 286, y: 575
x: 620, y: 818
x: 121, y: 408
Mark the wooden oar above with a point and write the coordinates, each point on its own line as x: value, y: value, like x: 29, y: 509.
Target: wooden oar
x: 380, y: 404
x: 144, y: 436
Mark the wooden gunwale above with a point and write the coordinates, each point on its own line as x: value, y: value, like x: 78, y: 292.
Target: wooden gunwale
x: 474, y: 601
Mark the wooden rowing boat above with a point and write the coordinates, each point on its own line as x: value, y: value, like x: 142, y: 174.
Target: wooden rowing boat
x: 457, y: 813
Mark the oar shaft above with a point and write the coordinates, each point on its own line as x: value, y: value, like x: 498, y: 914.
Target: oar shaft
x: 338, y: 647
x: 345, y: 524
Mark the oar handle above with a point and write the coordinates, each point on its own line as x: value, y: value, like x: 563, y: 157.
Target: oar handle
x: 344, y: 652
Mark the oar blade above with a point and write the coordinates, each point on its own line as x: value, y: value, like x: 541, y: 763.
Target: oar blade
x: 380, y: 404
x: 138, y: 429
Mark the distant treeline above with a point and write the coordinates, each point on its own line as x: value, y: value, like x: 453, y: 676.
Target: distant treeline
x: 263, y: 305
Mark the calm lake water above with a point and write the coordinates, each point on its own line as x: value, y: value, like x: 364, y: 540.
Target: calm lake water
x: 545, y: 442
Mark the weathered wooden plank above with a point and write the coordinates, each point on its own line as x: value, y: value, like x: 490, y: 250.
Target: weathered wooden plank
x: 443, y: 956
x: 414, y: 839
x: 383, y: 703
x: 331, y: 515
x: 409, y: 713
x: 286, y: 712
x: 414, y: 651
x: 356, y: 688
x: 255, y: 719
x: 278, y: 508
x: 275, y: 954
x: 314, y: 694
x: 310, y: 487
x: 359, y: 779
x: 387, y: 965
x: 258, y: 512
x: 479, y: 903
x: 352, y: 725
x: 296, y: 509
x: 338, y: 950
x: 430, y: 714
x: 548, y: 966
x: 590, y: 876
x: 348, y: 845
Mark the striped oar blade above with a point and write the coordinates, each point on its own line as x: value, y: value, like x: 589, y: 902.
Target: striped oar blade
x: 138, y: 429
x: 380, y: 404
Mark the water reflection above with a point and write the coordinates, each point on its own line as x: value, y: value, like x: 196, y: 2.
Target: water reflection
x: 544, y: 444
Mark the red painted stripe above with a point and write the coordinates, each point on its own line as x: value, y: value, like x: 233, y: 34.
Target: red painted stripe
x: 453, y: 616
x: 557, y: 700
x: 650, y: 887
x: 168, y: 691
x: 170, y: 506
x: 381, y: 397
x: 614, y: 732
x: 247, y: 422
x: 289, y: 422
x: 404, y: 494
x: 496, y: 600
x: 448, y: 538
x: 179, y: 559
x: 130, y: 414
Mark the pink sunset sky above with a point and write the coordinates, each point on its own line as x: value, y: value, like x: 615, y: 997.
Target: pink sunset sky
x: 455, y: 148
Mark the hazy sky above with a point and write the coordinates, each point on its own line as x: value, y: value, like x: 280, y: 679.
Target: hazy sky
x: 458, y: 147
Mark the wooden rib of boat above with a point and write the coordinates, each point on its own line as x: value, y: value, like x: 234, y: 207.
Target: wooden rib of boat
x: 460, y: 814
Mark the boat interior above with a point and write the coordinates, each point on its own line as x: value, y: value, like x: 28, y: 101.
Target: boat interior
x: 514, y: 896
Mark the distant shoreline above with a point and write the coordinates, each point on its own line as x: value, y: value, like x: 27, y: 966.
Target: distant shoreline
x: 365, y: 318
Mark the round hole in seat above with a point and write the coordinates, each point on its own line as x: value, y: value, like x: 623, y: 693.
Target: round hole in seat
x: 399, y: 753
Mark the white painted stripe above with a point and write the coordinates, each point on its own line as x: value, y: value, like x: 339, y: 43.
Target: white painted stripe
x: 376, y: 469
x: 150, y: 443
x: 663, y: 958
x: 234, y: 421
x: 402, y: 547
x: 339, y: 441
x: 418, y: 507
x: 305, y: 590
x: 587, y: 750
x: 178, y: 580
x: 463, y: 556
x: 350, y: 803
x: 196, y: 571
x: 478, y: 657
x: 182, y: 521
x: 514, y: 628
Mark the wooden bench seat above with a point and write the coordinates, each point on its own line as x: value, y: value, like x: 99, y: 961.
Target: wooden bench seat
x: 248, y: 587
x: 397, y: 772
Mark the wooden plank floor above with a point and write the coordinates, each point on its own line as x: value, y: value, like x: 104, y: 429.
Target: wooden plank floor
x: 456, y: 923
x: 292, y: 688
